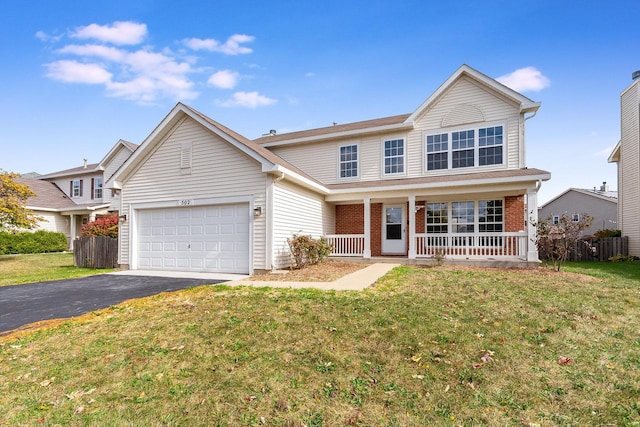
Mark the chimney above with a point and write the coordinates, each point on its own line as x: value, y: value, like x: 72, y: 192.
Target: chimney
x: 604, y: 188
x: 85, y: 163
x: 635, y: 75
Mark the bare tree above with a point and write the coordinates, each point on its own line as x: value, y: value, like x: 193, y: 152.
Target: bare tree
x: 556, y: 240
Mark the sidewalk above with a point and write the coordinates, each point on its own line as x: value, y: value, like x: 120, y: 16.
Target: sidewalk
x: 356, y: 281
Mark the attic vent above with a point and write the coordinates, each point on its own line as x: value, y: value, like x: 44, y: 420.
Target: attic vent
x: 462, y: 114
x: 185, y: 158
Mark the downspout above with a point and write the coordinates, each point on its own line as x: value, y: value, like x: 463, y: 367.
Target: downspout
x: 270, y: 222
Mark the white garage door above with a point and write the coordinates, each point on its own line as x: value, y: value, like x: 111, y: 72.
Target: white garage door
x: 198, y: 238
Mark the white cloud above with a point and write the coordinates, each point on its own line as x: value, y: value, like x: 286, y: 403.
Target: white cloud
x: 224, y: 79
x: 120, y: 33
x: 77, y: 72
x: 310, y: 74
x: 525, y: 79
x: 144, y: 74
x: 230, y: 47
x: 42, y: 36
x: 100, y: 51
x: 248, y: 99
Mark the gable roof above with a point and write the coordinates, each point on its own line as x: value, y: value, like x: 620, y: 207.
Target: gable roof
x: 615, y: 154
x: 81, y: 170
x: 402, y: 121
x: 526, y: 104
x: 48, y: 195
x: 338, y: 130
x: 121, y: 144
x: 609, y: 196
x: 271, y: 163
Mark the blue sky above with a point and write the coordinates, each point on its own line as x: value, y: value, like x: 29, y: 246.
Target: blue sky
x: 78, y: 76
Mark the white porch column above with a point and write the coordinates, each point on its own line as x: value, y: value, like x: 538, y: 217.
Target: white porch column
x: 532, y: 220
x: 412, y: 227
x: 367, y: 228
x: 72, y: 230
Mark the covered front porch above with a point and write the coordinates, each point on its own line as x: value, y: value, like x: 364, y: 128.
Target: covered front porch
x: 481, y: 228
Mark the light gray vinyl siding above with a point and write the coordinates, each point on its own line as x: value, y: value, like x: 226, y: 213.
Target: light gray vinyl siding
x: 629, y: 167
x: 465, y: 104
x: 218, y: 170
x: 603, y: 212
x: 300, y: 211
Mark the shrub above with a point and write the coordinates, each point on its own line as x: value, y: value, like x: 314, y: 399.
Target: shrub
x: 623, y: 258
x: 32, y: 243
x: 105, y: 226
x: 608, y: 233
x: 305, y: 250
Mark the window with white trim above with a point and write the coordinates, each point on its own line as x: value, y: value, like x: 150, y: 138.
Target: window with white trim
x: 576, y: 218
x: 348, y: 161
x: 484, y: 216
x: 437, y: 151
x: 469, y: 147
x: 97, y: 188
x: 76, y: 188
x: 394, y: 156
x: 556, y: 220
x: 437, y: 217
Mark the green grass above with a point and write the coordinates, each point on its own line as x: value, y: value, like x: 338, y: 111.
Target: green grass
x: 425, y: 346
x: 19, y: 269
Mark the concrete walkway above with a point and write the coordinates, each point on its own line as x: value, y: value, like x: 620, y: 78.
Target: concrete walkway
x: 355, y: 281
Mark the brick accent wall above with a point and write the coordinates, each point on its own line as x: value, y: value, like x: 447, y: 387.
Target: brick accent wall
x: 350, y: 219
x: 514, y: 212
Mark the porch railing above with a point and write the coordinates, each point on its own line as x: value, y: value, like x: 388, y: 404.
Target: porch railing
x: 472, y: 245
x: 346, y: 244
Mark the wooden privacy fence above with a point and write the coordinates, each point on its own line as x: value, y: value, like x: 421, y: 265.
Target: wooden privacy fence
x: 95, y: 252
x: 599, y: 248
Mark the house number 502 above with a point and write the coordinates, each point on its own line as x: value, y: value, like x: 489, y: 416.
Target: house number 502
x: 185, y: 202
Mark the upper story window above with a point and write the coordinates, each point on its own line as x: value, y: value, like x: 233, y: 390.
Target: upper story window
x: 348, y: 161
x: 76, y: 188
x: 468, y: 148
x: 97, y: 188
x: 394, y: 156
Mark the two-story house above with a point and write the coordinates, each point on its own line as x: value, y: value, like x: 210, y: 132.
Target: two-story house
x: 627, y: 155
x: 68, y: 199
x: 448, y: 179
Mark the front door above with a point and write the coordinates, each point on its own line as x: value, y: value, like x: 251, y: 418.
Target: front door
x: 393, y: 230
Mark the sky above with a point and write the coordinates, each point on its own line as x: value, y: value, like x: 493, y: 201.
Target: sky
x: 78, y: 76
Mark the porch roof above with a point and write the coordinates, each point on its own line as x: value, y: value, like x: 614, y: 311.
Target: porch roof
x: 510, y: 176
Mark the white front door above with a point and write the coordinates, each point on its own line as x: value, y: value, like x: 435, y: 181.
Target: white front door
x: 394, y: 230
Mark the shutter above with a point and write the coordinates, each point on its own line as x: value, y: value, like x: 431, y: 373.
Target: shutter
x: 71, y: 188
x: 92, y: 188
x: 81, y: 181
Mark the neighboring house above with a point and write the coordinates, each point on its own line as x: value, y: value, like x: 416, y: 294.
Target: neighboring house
x: 627, y: 155
x: 448, y: 179
x: 70, y: 198
x: 601, y: 205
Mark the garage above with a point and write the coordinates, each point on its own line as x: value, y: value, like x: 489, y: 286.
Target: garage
x: 212, y: 238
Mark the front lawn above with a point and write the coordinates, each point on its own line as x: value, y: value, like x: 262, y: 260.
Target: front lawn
x: 19, y: 269
x: 424, y: 346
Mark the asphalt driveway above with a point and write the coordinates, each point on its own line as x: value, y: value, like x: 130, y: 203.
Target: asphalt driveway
x: 21, y: 305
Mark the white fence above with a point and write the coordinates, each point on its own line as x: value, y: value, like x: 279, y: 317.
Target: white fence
x: 452, y: 245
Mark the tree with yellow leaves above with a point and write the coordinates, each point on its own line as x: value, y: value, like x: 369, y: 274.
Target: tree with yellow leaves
x: 14, y: 214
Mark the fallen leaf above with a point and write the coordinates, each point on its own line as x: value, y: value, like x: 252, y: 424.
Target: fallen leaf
x: 563, y: 360
x: 78, y: 410
x: 416, y: 358
x: 419, y: 377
